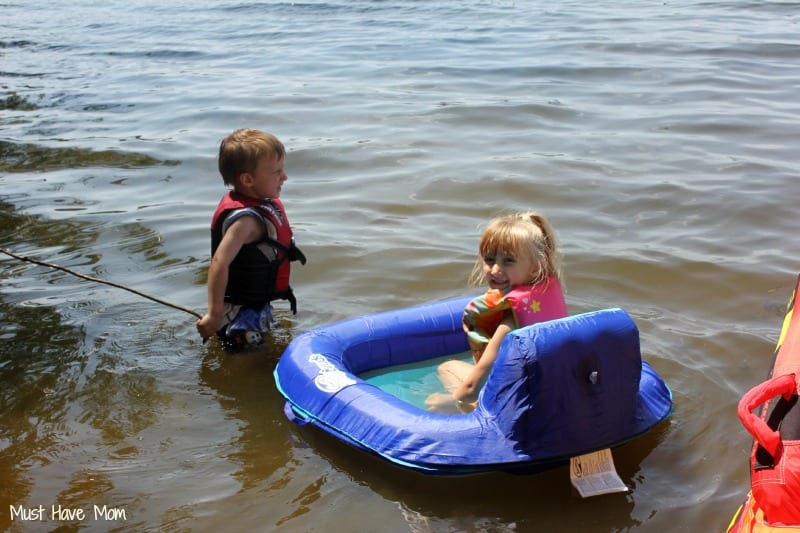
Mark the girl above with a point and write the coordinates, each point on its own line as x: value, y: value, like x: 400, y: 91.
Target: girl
x: 517, y: 259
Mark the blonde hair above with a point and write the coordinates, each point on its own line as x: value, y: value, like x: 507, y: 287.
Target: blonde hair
x: 240, y: 151
x: 520, y: 234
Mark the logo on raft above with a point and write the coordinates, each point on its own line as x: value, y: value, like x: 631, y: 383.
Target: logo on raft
x: 330, y: 379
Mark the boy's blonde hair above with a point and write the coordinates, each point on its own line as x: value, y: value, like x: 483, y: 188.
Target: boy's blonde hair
x: 240, y: 151
x: 519, y: 234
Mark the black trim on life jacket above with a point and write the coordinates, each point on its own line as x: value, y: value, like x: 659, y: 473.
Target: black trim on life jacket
x: 292, y: 253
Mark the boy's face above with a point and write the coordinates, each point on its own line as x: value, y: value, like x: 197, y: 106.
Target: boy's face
x: 266, y: 180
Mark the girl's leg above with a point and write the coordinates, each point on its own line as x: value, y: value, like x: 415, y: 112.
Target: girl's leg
x: 453, y: 373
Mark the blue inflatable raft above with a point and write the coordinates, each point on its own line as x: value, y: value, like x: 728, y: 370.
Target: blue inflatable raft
x: 557, y: 389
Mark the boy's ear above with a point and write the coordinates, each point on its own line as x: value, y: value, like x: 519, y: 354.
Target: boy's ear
x: 245, y: 179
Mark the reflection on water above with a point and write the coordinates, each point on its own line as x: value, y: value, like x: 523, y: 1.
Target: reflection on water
x: 17, y: 102
x: 31, y: 157
x: 464, y: 503
x: 66, y: 388
x: 33, y: 230
x: 242, y: 383
x: 40, y: 372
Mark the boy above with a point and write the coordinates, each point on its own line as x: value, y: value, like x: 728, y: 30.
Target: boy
x: 251, y: 242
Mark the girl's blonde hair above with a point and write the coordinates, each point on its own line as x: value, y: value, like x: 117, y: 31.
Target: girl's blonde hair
x: 240, y: 151
x: 520, y: 234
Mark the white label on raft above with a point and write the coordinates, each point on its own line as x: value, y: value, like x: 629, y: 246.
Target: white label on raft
x: 330, y: 379
x: 594, y: 474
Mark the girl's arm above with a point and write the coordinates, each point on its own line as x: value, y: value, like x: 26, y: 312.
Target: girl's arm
x: 468, y: 390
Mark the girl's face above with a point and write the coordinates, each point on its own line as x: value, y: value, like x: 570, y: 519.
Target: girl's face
x: 504, y: 270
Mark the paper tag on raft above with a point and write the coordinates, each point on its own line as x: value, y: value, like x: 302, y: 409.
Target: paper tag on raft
x: 594, y: 474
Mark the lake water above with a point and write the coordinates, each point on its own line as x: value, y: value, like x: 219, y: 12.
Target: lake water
x: 660, y: 138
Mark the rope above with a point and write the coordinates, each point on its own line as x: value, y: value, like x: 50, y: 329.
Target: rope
x: 98, y: 280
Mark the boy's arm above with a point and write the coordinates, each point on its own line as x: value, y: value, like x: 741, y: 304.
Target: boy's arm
x: 244, y: 230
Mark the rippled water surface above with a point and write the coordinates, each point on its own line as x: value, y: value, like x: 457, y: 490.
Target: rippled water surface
x: 659, y: 138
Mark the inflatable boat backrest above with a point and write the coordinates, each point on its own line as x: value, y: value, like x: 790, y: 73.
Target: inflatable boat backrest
x: 570, y: 384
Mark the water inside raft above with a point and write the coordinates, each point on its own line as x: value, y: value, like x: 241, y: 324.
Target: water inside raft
x: 412, y: 382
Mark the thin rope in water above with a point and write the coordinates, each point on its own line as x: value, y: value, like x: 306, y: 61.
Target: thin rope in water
x: 98, y: 280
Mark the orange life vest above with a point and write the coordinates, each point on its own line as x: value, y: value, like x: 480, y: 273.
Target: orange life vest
x: 528, y: 304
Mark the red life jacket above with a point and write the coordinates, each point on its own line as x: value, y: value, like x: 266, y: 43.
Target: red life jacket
x: 254, y: 279
x: 773, y: 503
